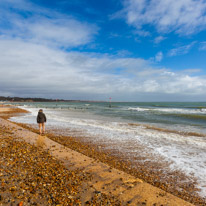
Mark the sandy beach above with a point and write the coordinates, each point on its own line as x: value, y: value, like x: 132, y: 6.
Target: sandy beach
x: 43, y: 170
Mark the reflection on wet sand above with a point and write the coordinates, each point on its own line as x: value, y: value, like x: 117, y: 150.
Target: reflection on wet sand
x: 40, y: 142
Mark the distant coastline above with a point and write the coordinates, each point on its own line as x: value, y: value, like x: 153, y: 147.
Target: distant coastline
x: 36, y: 99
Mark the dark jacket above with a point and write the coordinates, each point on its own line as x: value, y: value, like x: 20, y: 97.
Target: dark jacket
x: 41, y: 117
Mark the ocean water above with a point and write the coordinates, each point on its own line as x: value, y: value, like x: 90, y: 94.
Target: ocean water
x: 174, y: 133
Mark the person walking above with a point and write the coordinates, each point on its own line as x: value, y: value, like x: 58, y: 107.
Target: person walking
x: 41, y: 120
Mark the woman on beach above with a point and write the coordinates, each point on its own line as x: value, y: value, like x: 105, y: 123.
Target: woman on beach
x: 41, y: 119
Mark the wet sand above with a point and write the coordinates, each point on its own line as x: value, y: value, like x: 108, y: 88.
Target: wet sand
x: 153, y: 173
x: 39, y: 162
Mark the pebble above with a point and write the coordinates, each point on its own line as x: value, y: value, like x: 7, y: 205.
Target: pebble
x: 31, y: 176
x: 143, y: 171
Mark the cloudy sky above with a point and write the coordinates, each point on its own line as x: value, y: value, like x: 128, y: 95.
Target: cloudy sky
x: 130, y: 50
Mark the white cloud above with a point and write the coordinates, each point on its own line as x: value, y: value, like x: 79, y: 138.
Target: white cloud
x: 66, y: 33
x: 33, y: 65
x: 202, y: 46
x: 159, y: 56
x: 159, y: 39
x: 181, y: 50
x: 28, y: 69
x: 191, y: 71
x: 183, y: 16
x: 32, y: 23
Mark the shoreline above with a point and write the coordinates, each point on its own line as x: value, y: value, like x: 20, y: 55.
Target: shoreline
x: 131, y: 166
x: 83, y: 148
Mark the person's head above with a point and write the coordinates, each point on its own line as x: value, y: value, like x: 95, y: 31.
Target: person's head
x: 41, y: 110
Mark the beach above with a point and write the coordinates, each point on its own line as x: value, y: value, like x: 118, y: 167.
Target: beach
x: 99, y: 177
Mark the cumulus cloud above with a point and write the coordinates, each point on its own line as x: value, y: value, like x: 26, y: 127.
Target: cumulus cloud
x: 32, y: 23
x: 184, y: 17
x: 33, y: 63
x: 28, y: 69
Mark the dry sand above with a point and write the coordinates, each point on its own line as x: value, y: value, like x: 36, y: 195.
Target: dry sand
x: 111, y: 186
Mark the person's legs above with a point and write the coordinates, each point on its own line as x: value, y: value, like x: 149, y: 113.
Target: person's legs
x: 40, y: 125
x: 43, y: 126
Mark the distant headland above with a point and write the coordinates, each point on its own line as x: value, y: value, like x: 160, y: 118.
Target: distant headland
x: 36, y: 99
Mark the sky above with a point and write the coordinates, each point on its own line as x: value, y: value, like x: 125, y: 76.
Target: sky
x: 129, y: 50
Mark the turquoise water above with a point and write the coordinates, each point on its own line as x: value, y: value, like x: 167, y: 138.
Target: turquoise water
x: 163, y: 114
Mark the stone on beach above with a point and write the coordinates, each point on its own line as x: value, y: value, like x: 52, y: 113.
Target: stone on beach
x: 31, y: 176
x: 42, y: 179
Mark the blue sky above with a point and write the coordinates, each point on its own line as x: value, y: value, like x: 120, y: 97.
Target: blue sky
x: 131, y: 50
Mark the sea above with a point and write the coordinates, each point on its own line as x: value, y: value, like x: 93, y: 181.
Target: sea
x: 170, y: 132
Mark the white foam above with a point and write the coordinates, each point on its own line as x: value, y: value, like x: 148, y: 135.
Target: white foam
x: 168, y: 110
x: 185, y: 153
x: 139, y: 109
